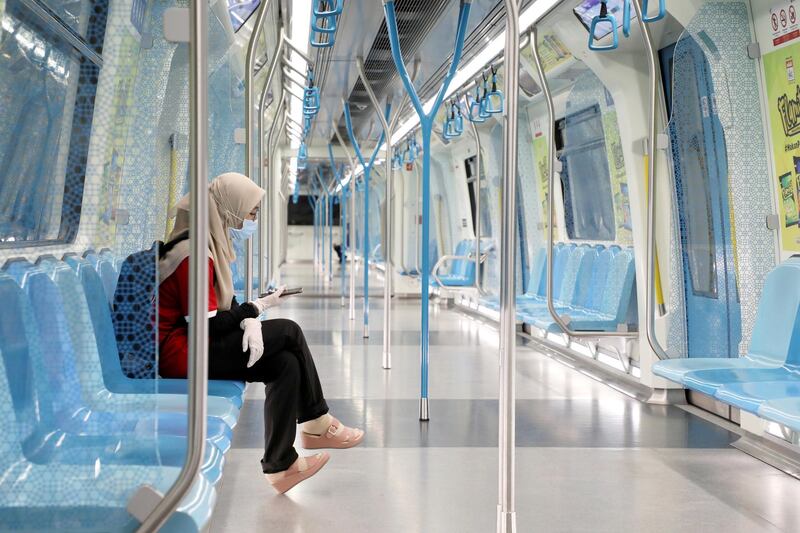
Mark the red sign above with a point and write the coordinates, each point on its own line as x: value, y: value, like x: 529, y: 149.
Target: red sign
x: 786, y: 37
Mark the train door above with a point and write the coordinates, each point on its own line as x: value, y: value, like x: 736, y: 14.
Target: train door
x: 700, y: 165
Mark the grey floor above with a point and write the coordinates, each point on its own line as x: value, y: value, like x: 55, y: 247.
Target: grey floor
x: 589, y: 458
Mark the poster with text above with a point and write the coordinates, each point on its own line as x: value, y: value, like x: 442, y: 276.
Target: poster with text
x: 783, y: 95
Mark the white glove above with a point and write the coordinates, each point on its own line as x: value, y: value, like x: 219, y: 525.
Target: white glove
x: 271, y: 300
x: 252, y: 339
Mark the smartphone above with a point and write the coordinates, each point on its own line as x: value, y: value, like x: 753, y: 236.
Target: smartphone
x: 286, y: 292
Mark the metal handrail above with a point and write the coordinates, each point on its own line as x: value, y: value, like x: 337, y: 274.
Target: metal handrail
x: 650, y: 296
x: 506, y: 512
x: 479, y: 259
x: 266, y: 216
x: 352, y: 220
x: 198, y: 270
x: 249, y: 98
x: 551, y: 161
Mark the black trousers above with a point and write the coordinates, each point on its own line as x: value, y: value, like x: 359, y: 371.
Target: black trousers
x: 287, y: 370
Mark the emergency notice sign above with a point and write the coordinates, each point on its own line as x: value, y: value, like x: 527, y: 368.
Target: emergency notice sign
x: 783, y: 21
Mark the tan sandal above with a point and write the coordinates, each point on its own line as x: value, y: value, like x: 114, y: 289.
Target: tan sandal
x: 337, y: 437
x: 302, y: 469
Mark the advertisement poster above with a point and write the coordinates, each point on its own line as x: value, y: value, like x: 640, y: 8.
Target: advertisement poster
x: 540, y: 161
x: 783, y: 96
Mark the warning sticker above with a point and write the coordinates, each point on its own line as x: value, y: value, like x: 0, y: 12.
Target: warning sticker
x: 784, y: 23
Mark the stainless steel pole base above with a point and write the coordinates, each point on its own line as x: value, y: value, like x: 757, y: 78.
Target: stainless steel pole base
x: 424, y: 414
x: 506, y: 522
x: 387, y: 360
x: 344, y: 302
x: 366, y: 331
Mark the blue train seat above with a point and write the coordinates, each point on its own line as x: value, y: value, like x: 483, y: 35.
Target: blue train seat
x: 82, y: 331
x: 133, y: 329
x: 572, y: 289
x: 87, y: 414
x: 115, y: 380
x: 461, y: 272
x: 104, y: 264
x: 615, y: 309
x: 91, y: 496
x: 55, y: 424
x: 775, y: 338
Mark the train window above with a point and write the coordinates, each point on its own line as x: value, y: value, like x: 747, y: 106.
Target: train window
x: 585, y: 178
x: 241, y: 11
x: 301, y: 213
x: 47, y: 86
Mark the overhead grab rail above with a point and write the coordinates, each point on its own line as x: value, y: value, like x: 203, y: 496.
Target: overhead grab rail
x: 367, y: 166
x: 388, y: 132
x: 426, y: 125
x: 198, y: 271
x: 553, y: 167
x: 352, y: 229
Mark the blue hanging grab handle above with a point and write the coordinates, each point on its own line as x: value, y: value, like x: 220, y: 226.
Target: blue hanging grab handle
x: 604, y: 17
x: 324, y: 23
x: 474, y: 106
x: 458, y: 127
x: 334, y: 8
x: 626, y: 18
x: 494, y: 98
x: 483, y: 112
x: 310, y: 97
x: 662, y: 11
x: 296, y: 192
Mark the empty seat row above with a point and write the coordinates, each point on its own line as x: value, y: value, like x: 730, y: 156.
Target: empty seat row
x: 80, y: 437
x: 765, y: 381
x: 459, y: 272
x: 594, y: 289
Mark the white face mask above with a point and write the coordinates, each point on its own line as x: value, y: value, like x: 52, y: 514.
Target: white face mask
x: 249, y: 227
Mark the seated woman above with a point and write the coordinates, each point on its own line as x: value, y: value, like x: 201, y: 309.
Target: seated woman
x: 243, y: 348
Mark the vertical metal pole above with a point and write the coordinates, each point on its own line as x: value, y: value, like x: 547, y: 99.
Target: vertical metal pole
x: 426, y: 125
x: 506, y: 513
x: 267, y: 217
x: 250, y: 105
x: 198, y: 268
x: 365, y: 249
x: 388, y: 129
x: 351, y: 230
x: 650, y: 293
x: 330, y: 237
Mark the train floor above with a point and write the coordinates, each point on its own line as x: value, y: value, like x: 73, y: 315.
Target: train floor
x: 589, y: 458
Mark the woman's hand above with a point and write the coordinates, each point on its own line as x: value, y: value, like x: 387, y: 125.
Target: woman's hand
x: 271, y: 300
x: 252, y: 339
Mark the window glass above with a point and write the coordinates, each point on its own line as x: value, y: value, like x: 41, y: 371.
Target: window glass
x: 240, y: 11
x: 585, y: 178
x: 74, y: 13
x: 38, y: 83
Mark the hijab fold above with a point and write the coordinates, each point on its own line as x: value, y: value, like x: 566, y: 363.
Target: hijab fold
x: 231, y: 197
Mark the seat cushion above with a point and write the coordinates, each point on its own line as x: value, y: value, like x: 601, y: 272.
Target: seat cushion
x: 785, y: 411
x: 750, y: 395
x: 710, y: 380
x: 676, y: 369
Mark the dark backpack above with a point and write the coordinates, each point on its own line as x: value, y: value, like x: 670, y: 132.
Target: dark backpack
x: 134, y: 310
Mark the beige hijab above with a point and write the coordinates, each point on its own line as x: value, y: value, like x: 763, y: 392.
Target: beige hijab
x: 231, y: 197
